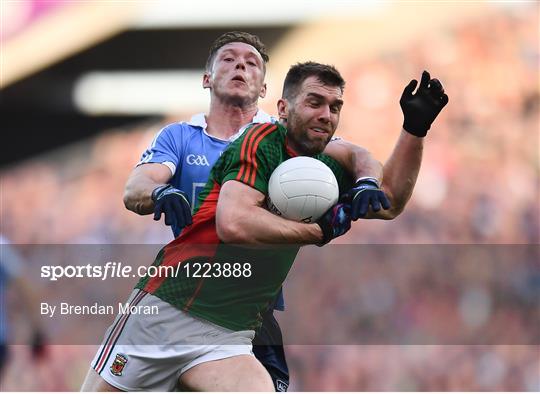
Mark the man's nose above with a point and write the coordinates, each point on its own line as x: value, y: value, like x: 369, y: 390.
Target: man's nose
x: 240, y: 64
x: 324, y: 114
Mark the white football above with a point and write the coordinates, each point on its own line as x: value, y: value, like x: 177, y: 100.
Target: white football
x: 302, y: 189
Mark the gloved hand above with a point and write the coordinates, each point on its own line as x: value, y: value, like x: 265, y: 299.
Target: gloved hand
x: 366, y: 192
x: 174, y: 204
x: 335, y: 222
x: 421, y: 109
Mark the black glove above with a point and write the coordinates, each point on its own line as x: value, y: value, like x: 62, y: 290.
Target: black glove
x: 335, y: 222
x: 174, y: 204
x: 421, y: 109
x: 366, y: 192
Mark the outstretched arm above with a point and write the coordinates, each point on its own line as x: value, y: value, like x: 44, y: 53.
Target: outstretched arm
x: 402, y: 167
x: 400, y: 173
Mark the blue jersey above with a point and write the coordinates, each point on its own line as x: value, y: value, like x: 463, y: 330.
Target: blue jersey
x: 190, y: 153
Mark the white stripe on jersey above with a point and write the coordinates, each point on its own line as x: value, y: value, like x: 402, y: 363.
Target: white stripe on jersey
x: 147, y: 155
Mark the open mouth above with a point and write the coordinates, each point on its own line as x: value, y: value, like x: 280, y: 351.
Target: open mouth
x: 239, y: 78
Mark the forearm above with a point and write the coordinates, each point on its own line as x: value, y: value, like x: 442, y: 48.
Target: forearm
x: 420, y: 109
x: 263, y: 227
x: 401, y: 171
x: 242, y: 219
x: 357, y: 161
x: 142, y: 181
x: 138, y: 195
x: 364, y: 165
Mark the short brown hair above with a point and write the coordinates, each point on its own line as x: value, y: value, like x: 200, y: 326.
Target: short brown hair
x: 298, y: 73
x: 236, y: 36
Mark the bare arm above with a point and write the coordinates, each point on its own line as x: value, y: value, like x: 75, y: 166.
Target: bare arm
x: 420, y: 110
x: 400, y: 174
x: 401, y: 170
x: 241, y: 219
x: 356, y: 160
x: 140, y: 184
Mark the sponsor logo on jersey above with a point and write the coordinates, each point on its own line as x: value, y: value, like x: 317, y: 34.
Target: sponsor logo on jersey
x: 118, y: 364
x: 197, y: 160
x: 281, y: 385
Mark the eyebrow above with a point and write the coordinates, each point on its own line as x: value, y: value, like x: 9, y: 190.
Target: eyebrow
x: 321, y: 97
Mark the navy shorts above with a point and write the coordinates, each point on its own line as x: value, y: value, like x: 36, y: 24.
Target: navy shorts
x: 268, y: 348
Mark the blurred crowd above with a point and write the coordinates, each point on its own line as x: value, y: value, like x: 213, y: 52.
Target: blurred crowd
x: 413, y: 368
x: 414, y: 318
x: 479, y: 181
x: 479, y: 184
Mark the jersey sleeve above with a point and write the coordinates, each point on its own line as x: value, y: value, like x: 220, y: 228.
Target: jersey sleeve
x: 166, y: 148
x: 252, y: 157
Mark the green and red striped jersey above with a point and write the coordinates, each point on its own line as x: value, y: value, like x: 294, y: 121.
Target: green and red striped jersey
x: 232, y: 302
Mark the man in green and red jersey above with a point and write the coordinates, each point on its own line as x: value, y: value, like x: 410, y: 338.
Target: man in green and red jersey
x: 175, y: 167
x: 202, y: 334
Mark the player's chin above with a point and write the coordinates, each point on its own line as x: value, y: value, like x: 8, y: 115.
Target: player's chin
x: 240, y: 98
x: 318, y: 144
x: 315, y: 147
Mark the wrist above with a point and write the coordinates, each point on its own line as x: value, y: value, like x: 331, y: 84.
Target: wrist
x: 415, y: 130
x: 324, y: 233
x: 368, y: 180
x: 318, y: 233
x: 409, y: 138
x: 157, y: 191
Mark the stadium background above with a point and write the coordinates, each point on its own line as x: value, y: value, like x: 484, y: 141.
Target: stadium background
x: 85, y: 86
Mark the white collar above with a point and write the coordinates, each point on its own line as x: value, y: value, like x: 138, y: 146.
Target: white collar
x: 199, y: 120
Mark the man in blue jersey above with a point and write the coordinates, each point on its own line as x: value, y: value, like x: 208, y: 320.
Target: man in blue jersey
x: 176, y: 166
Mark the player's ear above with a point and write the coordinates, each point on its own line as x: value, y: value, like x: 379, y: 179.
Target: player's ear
x: 262, y: 93
x: 283, y: 108
x: 206, y: 80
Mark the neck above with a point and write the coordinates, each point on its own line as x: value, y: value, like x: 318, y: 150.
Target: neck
x: 224, y: 120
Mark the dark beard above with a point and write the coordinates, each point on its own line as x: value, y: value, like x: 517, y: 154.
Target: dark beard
x: 298, y: 135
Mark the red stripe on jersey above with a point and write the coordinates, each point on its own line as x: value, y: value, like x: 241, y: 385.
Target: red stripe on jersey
x: 255, y: 163
x: 245, y: 158
x: 250, y: 161
x: 244, y: 150
x: 199, y: 239
x: 290, y: 151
